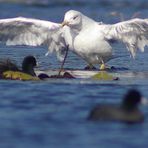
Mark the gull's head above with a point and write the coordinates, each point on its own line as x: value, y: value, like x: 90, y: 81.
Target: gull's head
x: 72, y: 19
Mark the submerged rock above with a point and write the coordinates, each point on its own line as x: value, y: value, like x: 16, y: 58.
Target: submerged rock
x: 103, y: 75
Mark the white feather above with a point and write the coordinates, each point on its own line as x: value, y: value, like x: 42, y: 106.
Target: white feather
x: 134, y: 33
x: 87, y: 38
x: 32, y: 32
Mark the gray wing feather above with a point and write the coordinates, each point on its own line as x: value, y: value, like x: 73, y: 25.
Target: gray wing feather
x: 134, y: 33
x: 33, y: 32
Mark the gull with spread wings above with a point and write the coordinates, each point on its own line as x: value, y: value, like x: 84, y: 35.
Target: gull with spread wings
x: 85, y: 37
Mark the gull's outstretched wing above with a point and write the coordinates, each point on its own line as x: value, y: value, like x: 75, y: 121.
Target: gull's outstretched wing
x: 134, y: 33
x: 33, y: 32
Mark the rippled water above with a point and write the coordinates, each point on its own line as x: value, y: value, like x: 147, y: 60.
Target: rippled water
x: 53, y: 113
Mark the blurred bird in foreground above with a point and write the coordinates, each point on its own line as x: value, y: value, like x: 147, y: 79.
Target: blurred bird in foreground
x: 127, y: 111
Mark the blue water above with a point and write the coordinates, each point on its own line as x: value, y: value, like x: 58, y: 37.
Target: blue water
x: 53, y: 113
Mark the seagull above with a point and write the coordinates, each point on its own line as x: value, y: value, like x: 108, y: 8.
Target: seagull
x: 84, y: 36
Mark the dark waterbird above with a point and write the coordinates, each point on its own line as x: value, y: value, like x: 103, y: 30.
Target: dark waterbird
x: 127, y: 111
x: 28, y: 65
x: 9, y: 70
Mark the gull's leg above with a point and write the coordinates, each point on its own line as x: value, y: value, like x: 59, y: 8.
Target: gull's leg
x: 90, y: 67
x: 62, y: 65
x: 103, y: 66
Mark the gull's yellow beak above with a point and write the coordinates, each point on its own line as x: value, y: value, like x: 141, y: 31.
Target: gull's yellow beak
x: 64, y: 23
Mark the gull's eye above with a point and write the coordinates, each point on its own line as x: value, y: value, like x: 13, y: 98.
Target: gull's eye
x: 75, y: 17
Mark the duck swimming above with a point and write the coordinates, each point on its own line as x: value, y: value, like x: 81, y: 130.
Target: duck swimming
x: 127, y: 111
x: 9, y: 70
x: 28, y: 65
